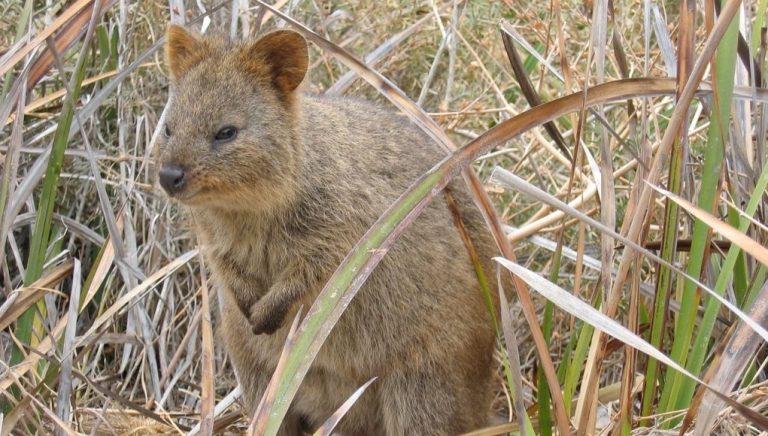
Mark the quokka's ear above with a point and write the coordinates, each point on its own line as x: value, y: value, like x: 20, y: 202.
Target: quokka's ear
x: 283, y: 55
x: 183, y: 51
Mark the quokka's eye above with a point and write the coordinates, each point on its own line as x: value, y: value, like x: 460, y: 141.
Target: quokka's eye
x: 167, y: 131
x: 225, y: 134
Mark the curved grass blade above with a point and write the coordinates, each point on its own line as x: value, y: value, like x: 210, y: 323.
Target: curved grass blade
x: 529, y: 91
x: 372, y: 58
x: 268, y: 399
x: 372, y: 247
x: 399, y: 99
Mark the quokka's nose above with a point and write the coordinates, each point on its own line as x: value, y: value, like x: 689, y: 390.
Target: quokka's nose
x: 172, y: 178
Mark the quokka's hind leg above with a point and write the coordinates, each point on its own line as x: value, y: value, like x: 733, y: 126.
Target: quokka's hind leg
x: 434, y: 400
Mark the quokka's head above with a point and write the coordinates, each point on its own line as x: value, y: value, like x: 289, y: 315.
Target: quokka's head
x: 230, y: 139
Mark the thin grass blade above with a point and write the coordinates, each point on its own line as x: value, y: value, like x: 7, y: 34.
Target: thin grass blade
x: 327, y: 428
x: 63, y: 409
x: 746, y: 243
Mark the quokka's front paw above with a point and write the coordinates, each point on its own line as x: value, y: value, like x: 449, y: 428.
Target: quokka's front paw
x: 266, y: 318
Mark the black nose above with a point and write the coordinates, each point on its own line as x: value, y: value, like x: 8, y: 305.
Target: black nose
x: 172, y: 178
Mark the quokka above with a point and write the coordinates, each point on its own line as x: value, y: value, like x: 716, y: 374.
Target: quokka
x: 280, y: 186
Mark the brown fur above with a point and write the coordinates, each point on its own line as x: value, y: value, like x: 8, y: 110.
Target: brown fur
x: 278, y: 208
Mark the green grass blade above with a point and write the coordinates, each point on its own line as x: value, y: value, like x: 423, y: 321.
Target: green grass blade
x: 487, y: 296
x: 664, y: 281
x: 758, y: 24
x: 344, y: 283
x: 43, y: 223
x: 725, y: 62
x: 740, y: 275
x: 573, y: 372
x: 511, y: 364
x: 544, y: 400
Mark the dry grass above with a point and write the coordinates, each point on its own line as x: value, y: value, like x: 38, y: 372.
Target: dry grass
x: 136, y: 332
